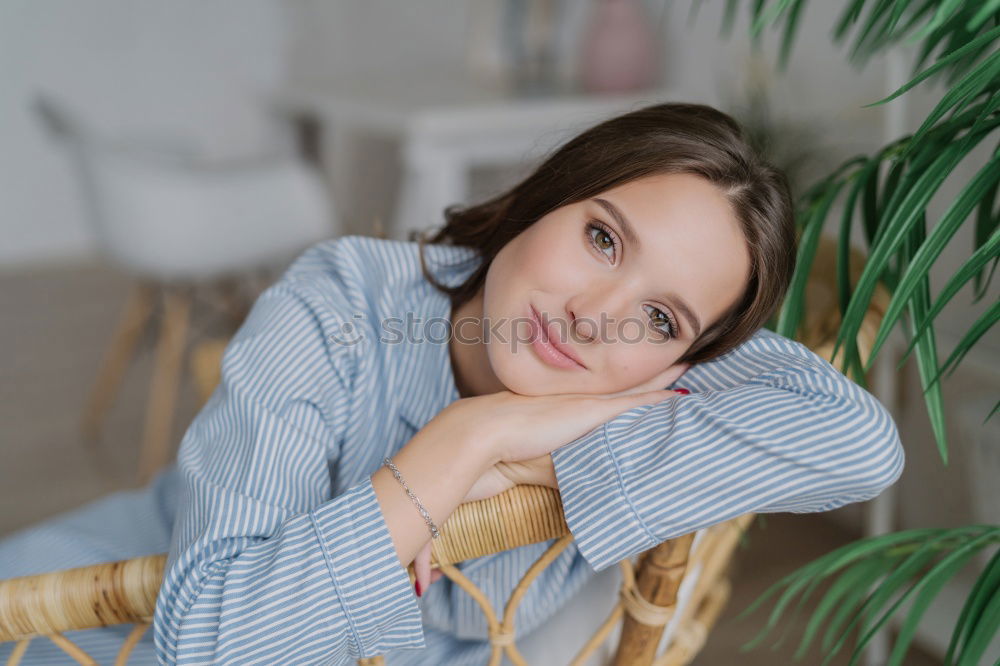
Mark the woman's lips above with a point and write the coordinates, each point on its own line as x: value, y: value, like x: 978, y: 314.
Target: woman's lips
x: 546, y: 346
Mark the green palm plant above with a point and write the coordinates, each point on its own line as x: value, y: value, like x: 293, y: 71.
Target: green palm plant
x: 887, y: 193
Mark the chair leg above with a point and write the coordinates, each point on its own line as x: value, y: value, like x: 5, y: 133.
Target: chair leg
x: 121, y: 350
x: 657, y: 581
x: 165, y: 383
x: 236, y: 306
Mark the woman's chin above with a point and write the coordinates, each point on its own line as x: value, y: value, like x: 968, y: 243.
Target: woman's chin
x: 535, y: 380
x: 514, y: 374
x: 525, y: 386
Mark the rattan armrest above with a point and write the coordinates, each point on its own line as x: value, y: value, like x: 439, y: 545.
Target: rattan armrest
x: 125, y: 592
x: 82, y: 598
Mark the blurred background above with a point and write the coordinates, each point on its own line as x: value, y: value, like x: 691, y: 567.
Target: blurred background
x: 163, y: 162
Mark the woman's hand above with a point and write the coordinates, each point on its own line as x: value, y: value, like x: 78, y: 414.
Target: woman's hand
x: 501, y: 477
x: 516, y: 427
x: 521, y: 431
x: 505, y: 475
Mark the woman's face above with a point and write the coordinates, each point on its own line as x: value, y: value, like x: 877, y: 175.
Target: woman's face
x: 624, y: 282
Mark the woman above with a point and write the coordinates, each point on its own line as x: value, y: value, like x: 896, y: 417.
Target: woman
x: 527, y: 342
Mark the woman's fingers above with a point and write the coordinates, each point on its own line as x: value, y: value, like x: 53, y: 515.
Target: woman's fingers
x: 670, y: 375
x: 646, y: 398
x: 610, y: 406
x: 553, y: 421
x: 594, y: 412
x: 422, y: 568
x: 665, y: 378
x: 514, y: 427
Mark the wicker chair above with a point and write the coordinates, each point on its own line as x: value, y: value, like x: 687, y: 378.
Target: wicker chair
x: 125, y: 592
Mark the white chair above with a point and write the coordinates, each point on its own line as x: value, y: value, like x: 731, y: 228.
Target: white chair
x: 177, y: 223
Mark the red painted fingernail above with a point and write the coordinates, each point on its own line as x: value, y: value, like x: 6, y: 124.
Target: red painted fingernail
x: 682, y: 391
x: 416, y: 586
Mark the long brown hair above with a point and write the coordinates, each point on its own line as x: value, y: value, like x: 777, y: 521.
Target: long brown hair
x: 659, y: 139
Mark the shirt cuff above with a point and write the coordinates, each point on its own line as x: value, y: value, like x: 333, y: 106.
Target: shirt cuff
x: 603, y: 521
x: 374, y: 588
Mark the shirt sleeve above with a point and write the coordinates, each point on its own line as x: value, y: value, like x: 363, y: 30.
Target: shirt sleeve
x: 768, y: 427
x: 265, y: 566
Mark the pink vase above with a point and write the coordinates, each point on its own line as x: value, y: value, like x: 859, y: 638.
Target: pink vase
x: 619, y: 51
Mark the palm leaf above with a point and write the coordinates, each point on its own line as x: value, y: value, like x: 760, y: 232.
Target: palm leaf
x: 851, y: 365
x: 893, y: 213
x: 915, y: 17
x: 869, y: 202
x: 855, y: 578
x: 984, y: 39
x: 906, y: 570
x: 848, y: 18
x: 894, y: 230
x: 762, y: 18
x: 899, y: 558
x: 729, y: 17
x: 793, y: 308
x: 992, y: 412
x: 958, y: 97
x: 973, y: 265
x: 824, y: 566
x: 878, y: 15
x: 919, y: 166
x: 979, y: 18
x: 757, y: 9
x: 816, y: 203
x: 874, y: 569
x: 986, y: 628
x: 986, y: 223
x: 907, y: 202
x: 791, y: 24
x: 960, y: 35
x: 982, y: 185
x: 928, y: 586
x: 927, y: 350
x: 945, y: 9
x: 983, y: 323
x: 954, y: 33
x: 985, y: 587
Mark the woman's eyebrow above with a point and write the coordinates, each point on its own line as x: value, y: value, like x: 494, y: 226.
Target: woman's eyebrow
x: 626, y: 226
x: 633, y: 239
x: 679, y: 303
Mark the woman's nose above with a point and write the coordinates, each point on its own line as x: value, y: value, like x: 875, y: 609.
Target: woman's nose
x: 583, y: 329
x: 592, y: 324
x: 597, y: 318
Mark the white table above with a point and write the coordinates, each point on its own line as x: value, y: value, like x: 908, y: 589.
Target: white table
x: 448, y: 125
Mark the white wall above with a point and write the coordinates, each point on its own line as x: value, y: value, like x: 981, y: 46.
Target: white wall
x: 184, y: 66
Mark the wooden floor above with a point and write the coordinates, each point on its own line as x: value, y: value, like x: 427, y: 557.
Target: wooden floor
x: 56, y: 322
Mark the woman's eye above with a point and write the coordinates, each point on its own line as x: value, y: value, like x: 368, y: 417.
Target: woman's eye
x: 602, y: 239
x: 661, y: 318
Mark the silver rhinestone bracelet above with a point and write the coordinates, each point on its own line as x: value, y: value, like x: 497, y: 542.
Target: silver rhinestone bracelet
x: 420, y: 507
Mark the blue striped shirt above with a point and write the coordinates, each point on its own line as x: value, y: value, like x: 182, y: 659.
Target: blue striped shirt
x: 280, y: 553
